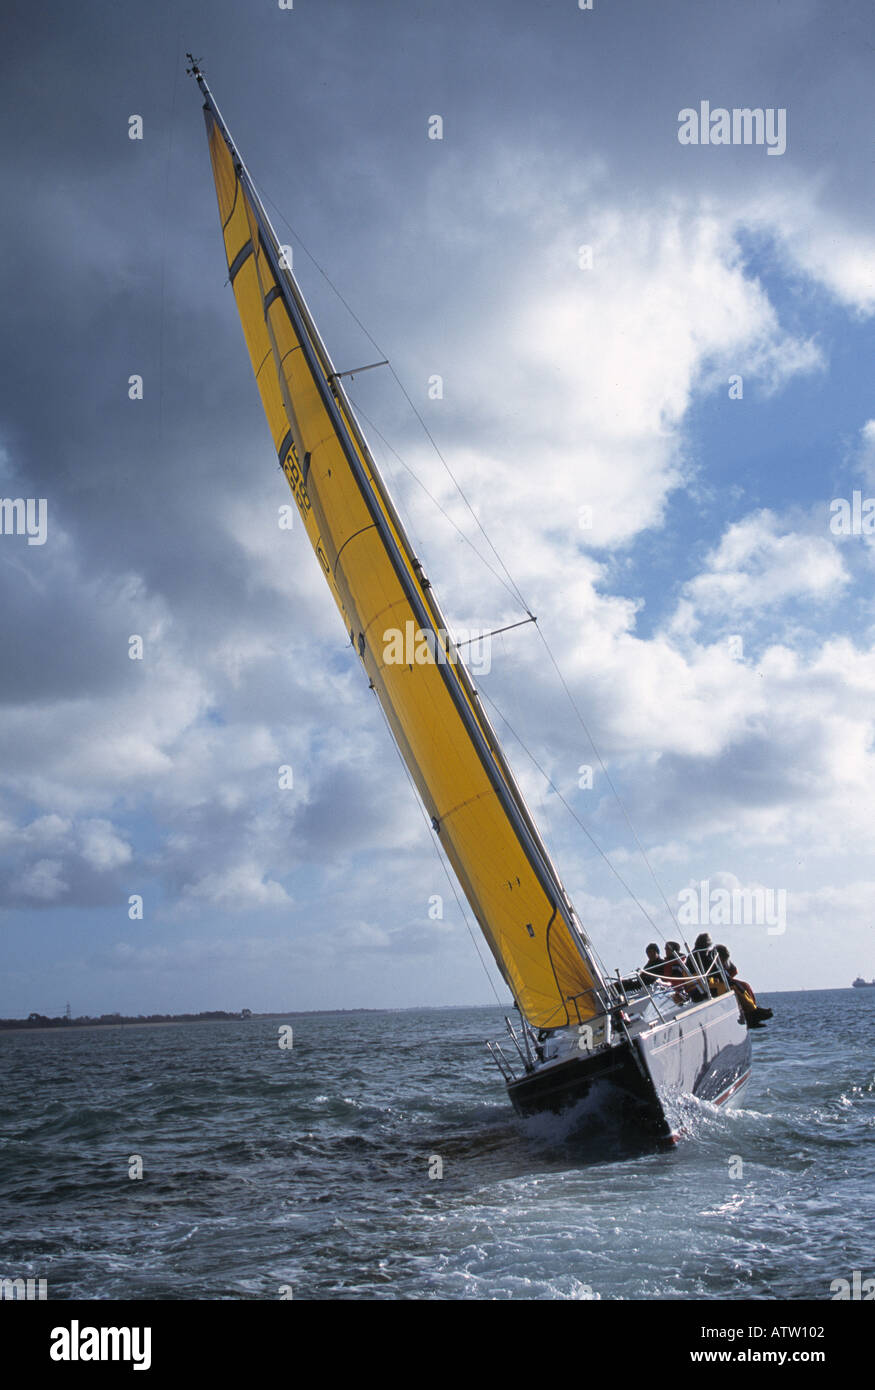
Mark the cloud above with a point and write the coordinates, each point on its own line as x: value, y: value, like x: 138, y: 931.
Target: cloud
x: 758, y: 565
x: 358, y: 936
x: 102, y: 847
x: 78, y: 864
x: 825, y: 248
x: 239, y: 888
x: 866, y: 451
x: 599, y: 367
x: 564, y: 389
x: 41, y: 880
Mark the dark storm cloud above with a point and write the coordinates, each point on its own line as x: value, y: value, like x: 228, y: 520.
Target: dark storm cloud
x: 112, y: 258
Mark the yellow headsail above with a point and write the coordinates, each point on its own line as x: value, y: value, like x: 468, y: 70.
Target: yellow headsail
x: 427, y: 695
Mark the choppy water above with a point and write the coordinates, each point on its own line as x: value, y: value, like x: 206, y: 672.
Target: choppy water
x: 265, y: 1167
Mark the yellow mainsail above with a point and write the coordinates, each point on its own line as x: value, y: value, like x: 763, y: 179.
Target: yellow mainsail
x: 378, y: 585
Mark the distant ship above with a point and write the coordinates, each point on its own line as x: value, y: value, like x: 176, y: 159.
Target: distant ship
x: 860, y: 983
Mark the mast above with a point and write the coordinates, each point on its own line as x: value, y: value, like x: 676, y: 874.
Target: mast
x: 275, y: 281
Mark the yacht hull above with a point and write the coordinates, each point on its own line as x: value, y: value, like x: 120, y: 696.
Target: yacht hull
x: 556, y: 1087
x: 704, y: 1051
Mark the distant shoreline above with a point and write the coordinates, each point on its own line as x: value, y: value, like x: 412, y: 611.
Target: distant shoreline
x: 55, y: 1025
x: 62, y: 1025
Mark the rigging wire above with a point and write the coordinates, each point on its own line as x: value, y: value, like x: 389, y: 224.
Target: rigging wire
x: 552, y: 785
x: 608, y: 779
x: 431, y: 497
x: 510, y: 584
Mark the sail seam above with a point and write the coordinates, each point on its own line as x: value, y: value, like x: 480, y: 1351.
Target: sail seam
x: 553, y: 967
x: 287, y: 439
x: 233, y: 205
x: 460, y: 805
x: 240, y: 260
x: 359, y: 532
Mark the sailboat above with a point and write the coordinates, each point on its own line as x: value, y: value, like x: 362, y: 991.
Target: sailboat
x: 643, y: 1043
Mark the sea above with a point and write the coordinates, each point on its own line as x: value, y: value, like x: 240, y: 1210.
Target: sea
x: 375, y: 1155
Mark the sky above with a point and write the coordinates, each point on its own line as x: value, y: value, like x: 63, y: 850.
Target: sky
x: 656, y: 372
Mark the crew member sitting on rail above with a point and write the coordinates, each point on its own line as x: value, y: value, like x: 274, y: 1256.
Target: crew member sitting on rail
x: 754, y: 1016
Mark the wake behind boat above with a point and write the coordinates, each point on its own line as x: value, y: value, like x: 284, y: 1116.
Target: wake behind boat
x: 651, y: 1038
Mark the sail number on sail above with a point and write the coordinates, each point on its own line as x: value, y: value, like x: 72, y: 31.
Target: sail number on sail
x: 296, y: 482
x: 292, y: 471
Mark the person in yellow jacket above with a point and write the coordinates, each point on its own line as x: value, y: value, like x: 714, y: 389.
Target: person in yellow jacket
x: 753, y: 1014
